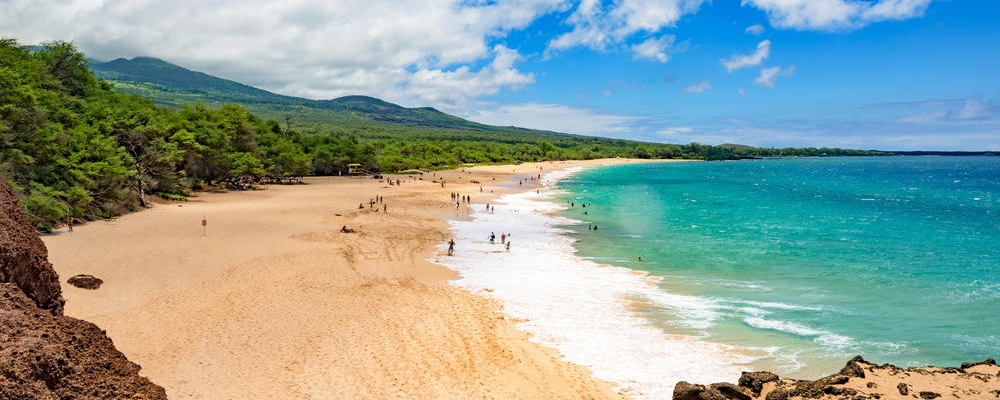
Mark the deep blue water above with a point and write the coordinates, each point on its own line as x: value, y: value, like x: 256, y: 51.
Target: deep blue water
x: 803, y: 263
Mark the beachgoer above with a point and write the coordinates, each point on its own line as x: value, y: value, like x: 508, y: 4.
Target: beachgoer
x: 503, y: 237
x: 508, y: 245
x: 451, y: 247
x: 493, y: 236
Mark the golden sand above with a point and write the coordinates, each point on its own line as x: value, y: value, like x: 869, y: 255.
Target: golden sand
x: 270, y: 300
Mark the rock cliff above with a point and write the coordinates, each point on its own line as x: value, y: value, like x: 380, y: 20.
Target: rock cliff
x: 44, y: 354
x: 23, y: 257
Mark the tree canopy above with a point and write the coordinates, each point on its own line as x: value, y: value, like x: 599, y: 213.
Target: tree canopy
x: 72, y: 147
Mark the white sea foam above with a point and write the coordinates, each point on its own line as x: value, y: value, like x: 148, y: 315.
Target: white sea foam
x: 821, y: 337
x: 581, y: 308
x: 783, y: 306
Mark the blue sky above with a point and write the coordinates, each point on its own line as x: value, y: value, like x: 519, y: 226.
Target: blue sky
x: 887, y: 74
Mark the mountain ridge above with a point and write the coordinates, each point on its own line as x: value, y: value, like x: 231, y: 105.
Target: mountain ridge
x: 171, y: 85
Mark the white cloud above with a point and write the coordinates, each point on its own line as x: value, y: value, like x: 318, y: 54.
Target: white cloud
x: 655, y: 48
x: 449, y: 89
x: 748, y: 60
x: 599, y: 27
x: 946, y: 111
x: 826, y: 15
x: 755, y: 30
x: 674, y: 131
x: 769, y: 75
x: 555, y: 117
x: 971, y: 108
x: 401, y: 51
x: 699, y: 87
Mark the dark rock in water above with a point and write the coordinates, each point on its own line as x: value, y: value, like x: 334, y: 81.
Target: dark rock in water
x: 24, y: 260
x: 44, y: 354
x: 755, y: 380
x: 85, y: 282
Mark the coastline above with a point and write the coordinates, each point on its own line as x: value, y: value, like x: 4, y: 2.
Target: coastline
x: 584, y: 309
x: 268, y: 299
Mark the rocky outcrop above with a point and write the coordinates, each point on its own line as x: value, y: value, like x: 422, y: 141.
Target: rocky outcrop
x: 23, y: 257
x: 44, y: 354
x: 858, y: 380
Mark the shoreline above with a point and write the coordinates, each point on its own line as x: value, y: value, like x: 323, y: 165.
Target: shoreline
x: 270, y: 299
x: 582, y: 308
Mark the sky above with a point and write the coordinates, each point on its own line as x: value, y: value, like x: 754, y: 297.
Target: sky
x: 861, y: 74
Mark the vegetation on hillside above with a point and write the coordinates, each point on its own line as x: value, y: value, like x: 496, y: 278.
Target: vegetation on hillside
x: 73, y: 145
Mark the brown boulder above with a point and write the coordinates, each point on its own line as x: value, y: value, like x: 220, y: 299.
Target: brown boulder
x: 716, y: 391
x: 85, y: 282
x: 988, y: 361
x: 755, y: 380
x: 853, y: 368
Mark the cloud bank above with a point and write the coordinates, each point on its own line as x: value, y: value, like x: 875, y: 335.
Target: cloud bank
x: 829, y: 15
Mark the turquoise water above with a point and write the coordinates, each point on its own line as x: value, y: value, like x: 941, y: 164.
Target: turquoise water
x: 803, y: 263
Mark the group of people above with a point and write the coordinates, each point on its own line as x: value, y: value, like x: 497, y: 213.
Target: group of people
x: 371, y: 204
x: 504, y: 239
x: 530, y: 179
x: 461, y: 198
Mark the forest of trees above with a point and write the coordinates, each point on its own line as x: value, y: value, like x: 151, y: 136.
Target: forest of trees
x: 71, y: 146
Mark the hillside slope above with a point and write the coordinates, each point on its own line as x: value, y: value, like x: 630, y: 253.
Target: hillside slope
x: 171, y: 85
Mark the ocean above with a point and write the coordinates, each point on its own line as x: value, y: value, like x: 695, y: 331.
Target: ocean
x: 787, y: 265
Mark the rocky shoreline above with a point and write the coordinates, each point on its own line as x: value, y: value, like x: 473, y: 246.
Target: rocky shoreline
x: 859, y: 380
x: 43, y: 353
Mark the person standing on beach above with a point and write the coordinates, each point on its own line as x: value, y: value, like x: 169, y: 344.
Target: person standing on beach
x: 451, y: 247
x: 503, y: 237
x: 493, y: 237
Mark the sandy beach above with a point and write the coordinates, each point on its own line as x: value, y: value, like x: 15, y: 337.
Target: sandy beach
x: 269, y: 299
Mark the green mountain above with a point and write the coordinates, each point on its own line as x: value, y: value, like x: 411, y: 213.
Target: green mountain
x: 171, y: 85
